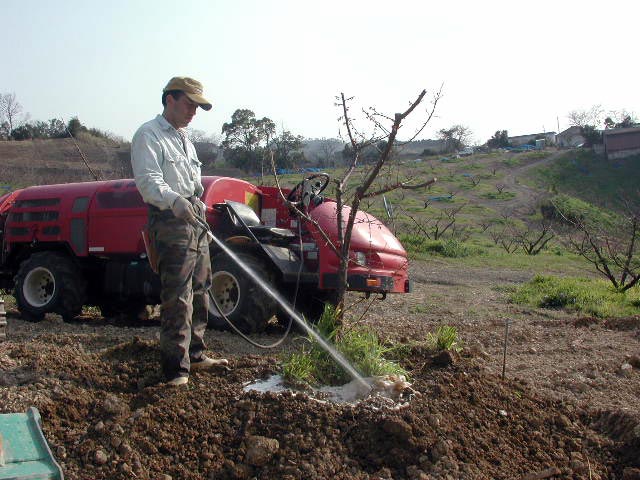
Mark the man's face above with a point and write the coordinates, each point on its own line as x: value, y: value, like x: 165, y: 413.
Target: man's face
x: 180, y: 112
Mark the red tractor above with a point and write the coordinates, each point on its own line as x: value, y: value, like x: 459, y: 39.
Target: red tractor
x: 70, y: 245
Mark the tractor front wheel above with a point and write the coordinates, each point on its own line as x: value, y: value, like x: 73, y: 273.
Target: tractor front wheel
x: 49, y: 282
x: 238, y: 295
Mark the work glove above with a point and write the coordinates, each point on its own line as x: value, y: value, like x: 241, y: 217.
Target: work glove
x: 202, y: 207
x: 183, y: 209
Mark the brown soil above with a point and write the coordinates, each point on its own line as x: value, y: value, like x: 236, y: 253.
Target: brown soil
x: 567, y: 409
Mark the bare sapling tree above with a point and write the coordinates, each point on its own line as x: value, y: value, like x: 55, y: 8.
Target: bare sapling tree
x: 534, y: 236
x: 485, y: 225
x: 383, y: 135
x: 435, y: 227
x: 461, y: 233
x: 502, y: 233
x: 474, y: 179
x: 503, y: 237
x: 350, y: 196
x: 612, y: 249
x: 10, y: 110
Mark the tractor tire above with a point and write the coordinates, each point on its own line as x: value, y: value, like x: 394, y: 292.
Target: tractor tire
x: 244, y: 303
x: 49, y: 282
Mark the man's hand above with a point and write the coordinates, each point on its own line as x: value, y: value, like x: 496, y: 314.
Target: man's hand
x: 202, y: 206
x: 183, y: 209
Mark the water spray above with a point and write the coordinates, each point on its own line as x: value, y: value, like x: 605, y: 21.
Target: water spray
x: 286, y: 306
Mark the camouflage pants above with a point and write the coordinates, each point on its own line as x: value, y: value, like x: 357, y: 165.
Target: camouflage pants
x: 185, y: 277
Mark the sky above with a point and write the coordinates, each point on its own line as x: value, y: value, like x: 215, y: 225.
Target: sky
x: 502, y: 65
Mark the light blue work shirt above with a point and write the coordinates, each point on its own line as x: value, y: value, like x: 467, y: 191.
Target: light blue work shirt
x: 165, y: 163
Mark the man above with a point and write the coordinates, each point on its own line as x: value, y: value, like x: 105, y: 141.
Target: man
x: 167, y: 174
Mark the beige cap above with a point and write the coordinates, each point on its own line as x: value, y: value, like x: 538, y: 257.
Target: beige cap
x: 192, y: 89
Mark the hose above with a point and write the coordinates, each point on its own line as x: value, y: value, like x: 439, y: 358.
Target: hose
x: 206, y: 231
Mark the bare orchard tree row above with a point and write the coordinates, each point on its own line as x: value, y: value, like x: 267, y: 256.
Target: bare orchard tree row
x: 611, y: 247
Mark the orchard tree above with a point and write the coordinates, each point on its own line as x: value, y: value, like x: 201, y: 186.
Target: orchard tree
x: 381, y: 177
x: 375, y: 180
x: 611, y: 246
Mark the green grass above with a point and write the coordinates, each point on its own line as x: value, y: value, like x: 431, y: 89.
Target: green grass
x: 420, y: 309
x: 361, y: 347
x: 445, y: 338
x: 499, y: 195
x: 568, y: 208
x: 419, y: 245
x: 511, y: 161
x: 587, y: 296
x: 531, y: 156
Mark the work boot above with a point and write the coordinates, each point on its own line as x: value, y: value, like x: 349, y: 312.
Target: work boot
x: 177, y: 382
x: 205, y: 362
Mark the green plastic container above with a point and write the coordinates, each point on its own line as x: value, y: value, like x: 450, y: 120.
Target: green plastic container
x: 24, y: 452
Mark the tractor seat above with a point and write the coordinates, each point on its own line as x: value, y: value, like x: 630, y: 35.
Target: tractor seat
x: 264, y: 233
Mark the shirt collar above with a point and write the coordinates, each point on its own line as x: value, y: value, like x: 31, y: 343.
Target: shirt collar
x: 165, y: 125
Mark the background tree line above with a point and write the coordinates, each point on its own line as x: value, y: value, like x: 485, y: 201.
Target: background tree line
x: 249, y: 142
x: 15, y: 124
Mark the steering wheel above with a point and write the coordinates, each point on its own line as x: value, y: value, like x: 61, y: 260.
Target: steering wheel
x: 308, y: 188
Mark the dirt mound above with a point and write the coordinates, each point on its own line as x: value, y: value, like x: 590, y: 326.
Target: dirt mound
x: 107, y: 418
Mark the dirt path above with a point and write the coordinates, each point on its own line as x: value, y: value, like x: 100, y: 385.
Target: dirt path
x: 525, y: 196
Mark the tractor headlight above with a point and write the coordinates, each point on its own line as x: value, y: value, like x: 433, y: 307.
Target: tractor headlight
x: 361, y: 259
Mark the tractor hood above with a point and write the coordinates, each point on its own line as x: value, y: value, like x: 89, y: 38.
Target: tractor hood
x: 368, y: 234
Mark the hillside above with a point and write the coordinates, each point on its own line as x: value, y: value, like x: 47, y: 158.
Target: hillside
x: 48, y: 161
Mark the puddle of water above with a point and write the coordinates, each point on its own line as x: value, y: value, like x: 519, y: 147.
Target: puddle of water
x: 393, y: 387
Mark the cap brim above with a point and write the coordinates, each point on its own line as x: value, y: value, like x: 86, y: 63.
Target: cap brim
x: 200, y: 100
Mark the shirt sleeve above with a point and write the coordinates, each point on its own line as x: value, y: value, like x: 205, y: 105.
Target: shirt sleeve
x: 146, y: 157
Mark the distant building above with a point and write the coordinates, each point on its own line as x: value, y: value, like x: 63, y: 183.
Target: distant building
x: 548, y: 137
x: 621, y: 142
x: 569, y: 138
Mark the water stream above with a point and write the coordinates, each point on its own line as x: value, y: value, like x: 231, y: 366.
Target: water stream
x: 286, y: 306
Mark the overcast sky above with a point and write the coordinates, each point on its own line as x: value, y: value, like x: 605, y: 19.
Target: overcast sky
x: 515, y: 65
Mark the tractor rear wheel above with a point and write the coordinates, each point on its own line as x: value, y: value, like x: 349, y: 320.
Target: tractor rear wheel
x: 238, y: 295
x: 49, y: 282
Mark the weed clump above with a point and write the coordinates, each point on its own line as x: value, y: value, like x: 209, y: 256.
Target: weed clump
x: 450, y: 248
x: 590, y: 296
x: 359, y: 345
x: 446, y: 337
